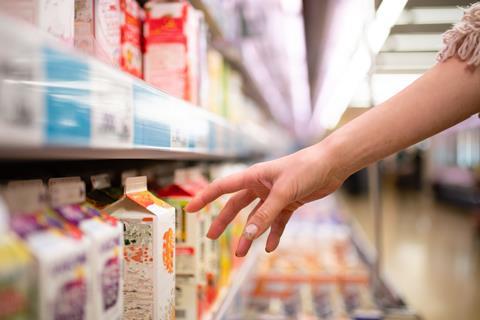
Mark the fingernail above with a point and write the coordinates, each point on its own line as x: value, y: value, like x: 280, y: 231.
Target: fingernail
x: 250, y: 231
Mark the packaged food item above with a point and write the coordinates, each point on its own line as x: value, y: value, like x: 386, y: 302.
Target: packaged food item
x: 191, y: 260
x: 63, y: 271
x: 85, y: 26
x: 106, y: 253
x: 149, y: 235
x: 215, y: 88
x: 171, y: 36
x: 55, y: 17
x: 98, y: 195
x: 107, y: 31
x: 17, y: 280
x: 130, y: 37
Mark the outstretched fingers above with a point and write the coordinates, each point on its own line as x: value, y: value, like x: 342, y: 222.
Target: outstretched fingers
x: 236, y: 203
x: 232, y: 183
x: 276, y: 230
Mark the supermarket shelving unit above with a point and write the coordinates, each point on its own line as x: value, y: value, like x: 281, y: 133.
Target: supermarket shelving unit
x: 59, y: 104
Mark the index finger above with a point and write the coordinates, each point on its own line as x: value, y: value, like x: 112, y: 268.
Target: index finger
x: 232, y: 183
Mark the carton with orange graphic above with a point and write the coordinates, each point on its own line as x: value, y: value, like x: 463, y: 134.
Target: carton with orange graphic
x: 149, y: 233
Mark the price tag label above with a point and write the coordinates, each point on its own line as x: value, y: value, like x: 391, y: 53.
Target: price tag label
x: 178, y: 136
x: 21, y: 97
x: 26, y: 195
x: 111, y: 109
x: 65, y: 191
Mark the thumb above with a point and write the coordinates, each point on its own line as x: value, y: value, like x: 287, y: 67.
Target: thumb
x: 262, y: 219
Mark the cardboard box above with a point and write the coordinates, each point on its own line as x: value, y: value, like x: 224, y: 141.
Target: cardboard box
x: 106, y: 253
x: 171, y: 32
x: 54, y: 17
x: 63, y: 269
x: 85, y: 26
x: 149, y: 233
x: 130, y: 37
x: 107, y: 31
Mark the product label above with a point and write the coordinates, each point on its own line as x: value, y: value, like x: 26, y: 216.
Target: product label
x: 22, y: 112
x: 57, y: 18
x: 139, y: 265
x: 68, y: 102
x: 111, y: 109
x: 178, y: 135
x: 26, y: 196
x: 64, y: 191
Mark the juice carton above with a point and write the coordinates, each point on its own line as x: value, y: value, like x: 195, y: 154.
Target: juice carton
x: 190, y: 251
x: 130, y: 37
x: 54, y: 17
x: 63, y: 270
x: 107, y: 31
x: 17, y: 283
x: 149, y: 233
x: 106, y: 252
x: 85, y: 26
x: 169, y: 30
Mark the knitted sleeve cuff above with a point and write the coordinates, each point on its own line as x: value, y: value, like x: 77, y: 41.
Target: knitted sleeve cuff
x: 463, y: 39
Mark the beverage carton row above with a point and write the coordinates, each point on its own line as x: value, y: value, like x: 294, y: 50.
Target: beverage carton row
x: 109, y: 252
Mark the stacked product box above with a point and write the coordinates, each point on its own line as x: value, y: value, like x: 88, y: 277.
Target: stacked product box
x: 78, y: 250
x: 111, y: 31
x: 106, y: 252
x: 171, y: 58
x: 191, y: 246
x: 149, y: 254
x: 54, y: 17
x: 131, y: 37
x: 64, y: 279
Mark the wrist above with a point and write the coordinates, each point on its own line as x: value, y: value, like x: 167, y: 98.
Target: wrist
x: 332, y: 150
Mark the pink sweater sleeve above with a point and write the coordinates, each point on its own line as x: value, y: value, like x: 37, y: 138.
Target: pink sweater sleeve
x: 463, y: 40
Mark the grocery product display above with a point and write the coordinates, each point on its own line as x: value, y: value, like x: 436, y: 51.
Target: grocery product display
x: 97, y: 106
x: 115, y: 114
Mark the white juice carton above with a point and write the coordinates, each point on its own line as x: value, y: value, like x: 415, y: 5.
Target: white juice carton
x: 106, y: 253
x: 63, y: 268
x: 149, y: 233
x: 107, y: 31
x: 53, y: 16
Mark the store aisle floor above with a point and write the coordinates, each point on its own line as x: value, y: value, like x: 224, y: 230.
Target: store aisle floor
x: 431, y: 252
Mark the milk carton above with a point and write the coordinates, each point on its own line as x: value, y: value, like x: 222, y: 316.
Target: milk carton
x: 53, y: 16
x: 171, y: 32
x: 130, y: 37
x: 106, y: 252
x: 190, y: 251
x: 149, y: 233
x: 63, y: 271
x: 107, y: 31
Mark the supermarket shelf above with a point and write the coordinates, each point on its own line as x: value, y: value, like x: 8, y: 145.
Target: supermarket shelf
x: 58, y: 103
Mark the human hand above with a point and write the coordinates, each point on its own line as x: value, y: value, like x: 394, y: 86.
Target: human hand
x: 282, y: 185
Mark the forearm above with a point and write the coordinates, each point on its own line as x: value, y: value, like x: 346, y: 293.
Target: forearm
x: 442, y: 97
